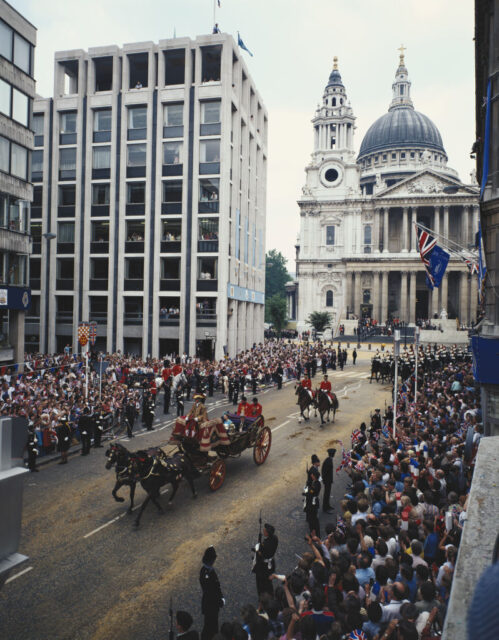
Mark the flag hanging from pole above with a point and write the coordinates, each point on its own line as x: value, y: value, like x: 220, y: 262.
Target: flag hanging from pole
x: 242, y: 45
x: 434, y: 258
x: 486, y: 144
x: 482, y: 269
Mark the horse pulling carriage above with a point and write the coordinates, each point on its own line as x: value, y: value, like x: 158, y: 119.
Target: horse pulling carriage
x: 210, y: 444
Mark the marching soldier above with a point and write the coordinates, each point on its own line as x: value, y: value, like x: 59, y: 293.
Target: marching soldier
x: 149, y: 412
x: 264, y: 565
x: 179, y: 397
x: 130, y: 415
x: 212, y: 600
x: 98, y: 427
x: 32, y: 448
x: 85, y: 425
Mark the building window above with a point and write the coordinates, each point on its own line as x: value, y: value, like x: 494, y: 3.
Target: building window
x: 367, y: 234
x: 208, y: 189
x: 366, y: 296
x: 19, y: 161
x: 207, y: 268
x: 102, y: 120
x: 20, y: 107
x: 134, y: 268
x: 4, y: 155
x: 37, y: 124
x: 329, y: 298
x: 330, y: 231
x: 136, y: 192
x: 172, y: 152
x: 100, y: 231
x: 139, y: 70
x: 67, y: 196
x: 208, y: 229
x: 209, y: 151
x: 173, y: 115
x: 174, y: 66
x: 101, y: 157
x: 67, y: 163
x: 37, y: 162
x: 5, y: 97
x: 65, y: 232
x: 99, y: 268
x: 210, y: 112
x: 68, y: 122
x: 5, y: 40
x: 100, y: 194
x: 136, y: 155
x: 103, y: 68
x: 137, y: 123
x: 172, y: 191
x: 211, y: 63
x: 22, y: 53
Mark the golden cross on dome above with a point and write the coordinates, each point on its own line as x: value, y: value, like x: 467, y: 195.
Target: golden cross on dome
x: 335, y: 63
x: 402, y: 49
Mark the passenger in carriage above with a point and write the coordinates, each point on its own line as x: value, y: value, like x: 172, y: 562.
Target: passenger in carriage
x: 198, y: 412
x: 243, y: 410
x: 256, y: 408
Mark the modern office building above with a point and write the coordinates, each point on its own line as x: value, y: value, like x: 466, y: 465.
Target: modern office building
x: 486, y: 344
x: 148, y: 218
x: 357, y: 252
x: 17, y: 91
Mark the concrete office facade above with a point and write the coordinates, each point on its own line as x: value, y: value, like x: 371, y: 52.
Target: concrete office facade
x: 150, y: 190
x: 17, y: 91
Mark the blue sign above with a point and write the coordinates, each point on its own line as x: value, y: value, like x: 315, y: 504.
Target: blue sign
x: 485, y: 359
x: 236, y: 292
x: 15, y: 297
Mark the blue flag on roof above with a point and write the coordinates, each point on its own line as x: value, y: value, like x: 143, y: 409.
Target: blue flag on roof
x: 242, y: 45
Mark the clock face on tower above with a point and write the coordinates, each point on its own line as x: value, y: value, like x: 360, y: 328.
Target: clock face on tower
x: 331, y: 174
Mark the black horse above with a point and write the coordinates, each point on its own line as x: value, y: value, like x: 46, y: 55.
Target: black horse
x: 305, y: 401
x: 154, y: 469
x: 119, y: 457
x: 324, y: 405
x: 375, y: 369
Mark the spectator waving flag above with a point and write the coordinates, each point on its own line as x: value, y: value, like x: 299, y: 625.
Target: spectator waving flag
x: 434, y: 258
x: 242, y: 45
x: 345, y: 461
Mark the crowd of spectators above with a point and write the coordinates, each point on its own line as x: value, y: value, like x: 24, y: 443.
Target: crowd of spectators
x: 384, y: 568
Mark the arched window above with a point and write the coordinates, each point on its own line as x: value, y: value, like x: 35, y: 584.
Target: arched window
x: 329, y: 298
x: 334, y: 102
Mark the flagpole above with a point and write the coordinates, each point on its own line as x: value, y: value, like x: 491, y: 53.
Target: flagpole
x: 214, y: 12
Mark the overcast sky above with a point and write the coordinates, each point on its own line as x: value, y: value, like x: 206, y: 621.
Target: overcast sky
x: 294, y: 42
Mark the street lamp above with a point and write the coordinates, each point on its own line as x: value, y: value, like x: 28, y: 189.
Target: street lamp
x: 396, y: 352
x: 48, y: 237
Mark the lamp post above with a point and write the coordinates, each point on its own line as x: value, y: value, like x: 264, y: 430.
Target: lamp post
x: 48, y: 237
x: 416, y: 344
x: 396, y: 352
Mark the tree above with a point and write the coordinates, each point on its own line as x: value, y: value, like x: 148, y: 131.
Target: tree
x: 276, y: 308
x: 276, y: 276
x: 319, y: 320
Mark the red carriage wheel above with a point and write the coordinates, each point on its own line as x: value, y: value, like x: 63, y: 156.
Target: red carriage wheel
x: 262, y: 446
x: 217, y: 475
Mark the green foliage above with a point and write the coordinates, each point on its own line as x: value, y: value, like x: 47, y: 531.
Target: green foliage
x: 319, y: 320
x: 276, y: 276
x: 276, y: 309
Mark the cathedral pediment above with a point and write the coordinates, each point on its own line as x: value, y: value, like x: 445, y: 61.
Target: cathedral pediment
x: 425, y: 183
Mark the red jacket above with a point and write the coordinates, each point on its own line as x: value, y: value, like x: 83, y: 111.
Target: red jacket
x: 177, y: 368
x: 306, y: 383
x: 326, y: 385
x: 256, y: 410
x: 244, y: 409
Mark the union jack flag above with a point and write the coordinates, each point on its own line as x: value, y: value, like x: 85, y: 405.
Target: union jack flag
x: 426, y: 244
x: 357, y: 634
x: 355, y: 437
x: 345, y: 461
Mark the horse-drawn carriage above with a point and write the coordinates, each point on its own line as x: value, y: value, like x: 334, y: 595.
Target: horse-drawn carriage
x: 208, y: 445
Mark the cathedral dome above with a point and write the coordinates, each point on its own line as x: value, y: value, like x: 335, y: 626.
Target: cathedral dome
x: 401, y: 127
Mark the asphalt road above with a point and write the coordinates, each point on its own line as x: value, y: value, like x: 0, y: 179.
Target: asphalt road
x: 91, y: 574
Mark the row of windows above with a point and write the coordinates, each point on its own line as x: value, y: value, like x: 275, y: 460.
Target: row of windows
x: 14, y: 103
x: 171, y: 230
x: 173, y: 116
x: 14, y: 213
x: 331, y: 231
x: 13, y: 268
x: 15, y: 48
x: 402, y: 156
x: 14, y: 159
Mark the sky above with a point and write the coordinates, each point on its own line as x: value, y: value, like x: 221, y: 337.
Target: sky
x: 294, y: 42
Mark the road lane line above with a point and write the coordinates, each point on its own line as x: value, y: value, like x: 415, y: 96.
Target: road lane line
x: 281, y: 425
x: 103, y: 526
x: 17, y: 575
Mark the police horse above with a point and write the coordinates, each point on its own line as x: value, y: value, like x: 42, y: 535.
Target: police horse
x: 118, y: 456
x: 325, y: 405
x: 305, y: 401
x: 153, y: 469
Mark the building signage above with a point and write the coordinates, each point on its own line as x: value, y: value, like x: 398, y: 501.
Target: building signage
x: 15, y: 298
x: 245, y: 295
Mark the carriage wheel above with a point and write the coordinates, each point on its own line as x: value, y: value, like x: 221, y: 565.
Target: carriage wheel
x: 217, y: 475
x: 262, y: 446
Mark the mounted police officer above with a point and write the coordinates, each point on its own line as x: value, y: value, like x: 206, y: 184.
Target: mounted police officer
x: 264, y: 565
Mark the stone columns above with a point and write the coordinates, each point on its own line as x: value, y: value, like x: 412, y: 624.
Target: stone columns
x: 384, y: 297
x: 446, y: 222
x: 436, y: 219
x: 414, y: 233
x: 403, y: 296
x: 375, y: 296
x: 348, y: 295
x: 476, y: 218
x: 474, y: 297
x: 358, y: 293
x: 465, y: 231
x: 434, y: 301
x: 385, y: 230
x: 463, y: 298
x: 376, y: 233
x: 412, y: 297
x: 405, y: 229
x: 445, y: 292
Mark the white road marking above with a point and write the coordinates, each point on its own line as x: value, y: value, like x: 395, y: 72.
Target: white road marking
x: 17, y: 575
x: 103, y: 526
x: 281, y: 425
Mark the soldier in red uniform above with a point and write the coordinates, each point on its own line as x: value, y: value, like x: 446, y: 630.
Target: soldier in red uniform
x: 326, y: 387
x: 243, y: 410
x: 256, y: 408
x: 306, y: 383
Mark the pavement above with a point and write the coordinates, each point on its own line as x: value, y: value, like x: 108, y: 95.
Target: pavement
x: 92, y: 575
